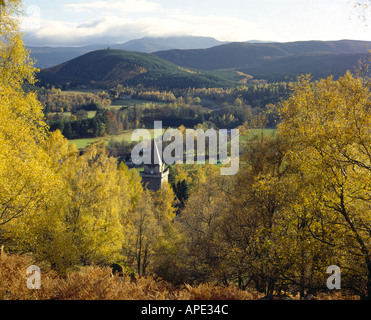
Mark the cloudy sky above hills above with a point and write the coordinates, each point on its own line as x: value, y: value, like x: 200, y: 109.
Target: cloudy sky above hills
x: 84, y: 22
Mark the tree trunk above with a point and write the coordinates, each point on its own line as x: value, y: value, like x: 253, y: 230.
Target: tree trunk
x: 271, y: 286
x: 368, y: 262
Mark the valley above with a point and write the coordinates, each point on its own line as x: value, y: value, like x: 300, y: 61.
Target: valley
x: 249, y: 176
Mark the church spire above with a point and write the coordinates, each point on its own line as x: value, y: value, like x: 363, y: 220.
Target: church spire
x: 154, y: 174
x: 156, y: 158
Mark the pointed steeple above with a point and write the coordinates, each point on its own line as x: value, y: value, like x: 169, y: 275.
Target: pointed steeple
x: 154, y: 174
x: 156, y: 158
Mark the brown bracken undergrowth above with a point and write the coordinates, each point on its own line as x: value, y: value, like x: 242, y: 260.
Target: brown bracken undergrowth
x: 95, y: 283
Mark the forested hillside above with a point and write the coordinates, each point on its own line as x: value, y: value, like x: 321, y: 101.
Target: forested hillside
x: 275, y: 61
x: 47, y: 57
x: 109, y: 68
x: 223, y: 66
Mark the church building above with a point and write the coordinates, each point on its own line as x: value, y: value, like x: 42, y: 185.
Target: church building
x: 155, y: 174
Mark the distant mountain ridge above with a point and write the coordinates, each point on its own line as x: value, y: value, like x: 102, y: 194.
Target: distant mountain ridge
x: 220, y: 65
x: 110, y: 67
x: 244, y: 55
x: 318, y: 65
x: 51, y: 56
x: 149, y: 44
x: 275, y: 61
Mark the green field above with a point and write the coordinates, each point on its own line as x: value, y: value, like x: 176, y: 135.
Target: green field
x: 126, y: 135
x: 118, y: 104
x: 257, y: 132
x: 82, y: 143
x: 91, y: 114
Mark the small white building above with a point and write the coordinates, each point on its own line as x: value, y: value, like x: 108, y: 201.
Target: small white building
x: 125, y: 97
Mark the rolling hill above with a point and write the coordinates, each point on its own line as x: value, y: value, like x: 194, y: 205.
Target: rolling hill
x: 318, y: 65
x: 51, y: 56
x: 107, y: 68
x: 219, y: 65
x: 265, y: 59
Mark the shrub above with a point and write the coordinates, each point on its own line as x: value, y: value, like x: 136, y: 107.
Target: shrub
x: 95, y: 283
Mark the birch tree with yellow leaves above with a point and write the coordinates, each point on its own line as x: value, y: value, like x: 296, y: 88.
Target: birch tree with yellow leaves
x: 65, y: 208
x: 327, y: 125
x: 25, y: 173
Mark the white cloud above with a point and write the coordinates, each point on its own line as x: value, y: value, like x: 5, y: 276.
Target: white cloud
x: 125, y: 6
x: 107, y: 30
x: 115, y: 29
x: 110, y: 21
x: 119, y: 21
x: 222, y: 28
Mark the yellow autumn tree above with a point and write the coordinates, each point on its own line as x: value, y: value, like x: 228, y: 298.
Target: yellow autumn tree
x: 200, y: 253
x: 327, y: 125
x: 268, y: 238
x: 65, y: 207
x: 164, y: 206
x: 143, y: 231
x: 26, y: 177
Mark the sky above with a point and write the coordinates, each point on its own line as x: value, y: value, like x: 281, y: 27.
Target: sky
x: 84, y: 22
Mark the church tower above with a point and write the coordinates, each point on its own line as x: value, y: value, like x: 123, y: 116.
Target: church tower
x: 155, y: 174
